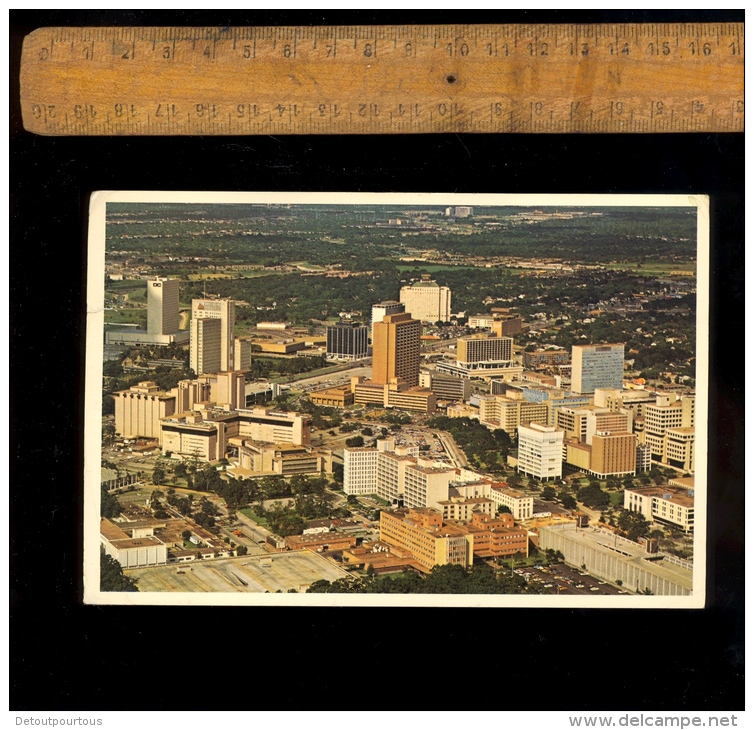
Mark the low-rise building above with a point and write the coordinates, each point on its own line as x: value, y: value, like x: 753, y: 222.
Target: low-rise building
x: 321, y: 541
x: 460, y: 410
x: 339, y: 397
x: 667, y: 504
x: 285, y: 459
x: 463, y: 508
x: 608, y: 556
x: 495, y: 537
x: 132, y: 551
x: 393, y: 395
x: 446, y: 387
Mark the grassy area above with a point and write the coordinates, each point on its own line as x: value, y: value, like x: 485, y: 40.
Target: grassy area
x: 616, y: 498
x: 126, y: 285
x: 534, y: 559
x: 261, y: 521
x: 126, y: 316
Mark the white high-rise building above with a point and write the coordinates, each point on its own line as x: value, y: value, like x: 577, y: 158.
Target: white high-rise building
x: 360, y: 470
x: 395, y: 477
x: 225, y: 311
x: 426, y: 300
x: 596, y: 366
x: 540, y: 451
x: 379, y: 311
x: 163, y: 317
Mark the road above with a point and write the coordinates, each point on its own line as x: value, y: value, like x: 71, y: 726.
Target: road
x: 453, y: 450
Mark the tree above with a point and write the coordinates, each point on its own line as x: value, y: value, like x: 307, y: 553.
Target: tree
x: 548, y: 494
x: 111, y: 576
x: 633, y: 524
x: 337, y: 472
x: 158, y: 476
x: 514, y: 480
x: 355, y: 441
x: 567, y: 500
x: 109, y: 505
x: 613, y: 482
x: 593, y: 496
x: 186, y: 534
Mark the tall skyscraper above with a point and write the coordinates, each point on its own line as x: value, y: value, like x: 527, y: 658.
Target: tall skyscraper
x: 163, y: 317
x: 383, y: 308
x: 223, y: 310
x: 426, y: 300
x: 206, y: 346
x: 596, y: 366
x: 396, y: 349
x: 347, y: 341
x: 242, y: 354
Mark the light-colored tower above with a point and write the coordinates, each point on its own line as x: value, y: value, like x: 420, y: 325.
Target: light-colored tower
x: 206, y: 346
x: 396, y: 349
x: 540, y: 451
x: 225, y: 311
x: 163, y: 317
x: 596, y: 366
x: 426, y: 300
x: 383, y: 308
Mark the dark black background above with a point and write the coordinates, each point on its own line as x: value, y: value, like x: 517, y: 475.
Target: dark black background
x: 64, y: 655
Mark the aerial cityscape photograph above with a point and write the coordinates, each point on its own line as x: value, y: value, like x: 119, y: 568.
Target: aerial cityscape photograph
x: 396, y: 397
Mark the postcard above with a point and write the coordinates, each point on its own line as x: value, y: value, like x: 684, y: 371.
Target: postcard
x: 396, y: 400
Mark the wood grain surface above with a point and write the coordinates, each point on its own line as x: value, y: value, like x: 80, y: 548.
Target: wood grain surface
x: 384, y: 79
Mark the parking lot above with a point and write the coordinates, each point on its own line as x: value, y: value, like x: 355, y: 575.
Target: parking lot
x: 563, y: 580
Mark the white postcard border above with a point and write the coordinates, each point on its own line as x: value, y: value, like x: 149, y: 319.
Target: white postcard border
x: 93, y: 402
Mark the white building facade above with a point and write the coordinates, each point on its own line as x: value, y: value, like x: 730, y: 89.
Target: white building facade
x: 540, y: 451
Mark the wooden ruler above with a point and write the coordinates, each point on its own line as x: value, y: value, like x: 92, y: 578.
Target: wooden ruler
x: 384, y: 79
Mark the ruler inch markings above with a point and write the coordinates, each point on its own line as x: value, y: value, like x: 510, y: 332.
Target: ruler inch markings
x: 451, y: 78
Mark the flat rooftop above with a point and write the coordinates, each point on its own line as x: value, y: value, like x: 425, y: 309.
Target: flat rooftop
x: 676, y: 495
x: 248, y: 574
x: 629, y: 552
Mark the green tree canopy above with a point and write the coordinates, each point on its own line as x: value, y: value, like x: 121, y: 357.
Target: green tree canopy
x: 111, y: 576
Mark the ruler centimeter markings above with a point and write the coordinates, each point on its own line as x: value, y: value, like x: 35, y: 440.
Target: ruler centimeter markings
x: 654, y: 77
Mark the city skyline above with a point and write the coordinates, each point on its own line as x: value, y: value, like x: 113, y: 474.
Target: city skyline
x: 494, y: 352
